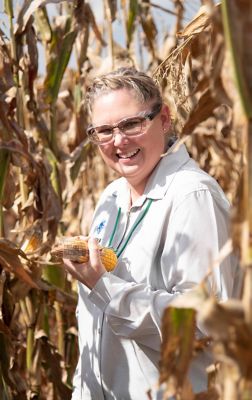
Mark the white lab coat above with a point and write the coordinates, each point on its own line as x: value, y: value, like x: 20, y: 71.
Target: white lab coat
x: 168, y: 253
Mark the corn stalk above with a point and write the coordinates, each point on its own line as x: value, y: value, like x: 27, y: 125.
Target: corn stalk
x: 238, y: 38
x: 4, y: 163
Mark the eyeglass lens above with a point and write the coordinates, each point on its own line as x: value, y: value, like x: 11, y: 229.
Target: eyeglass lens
x: 129, y: 127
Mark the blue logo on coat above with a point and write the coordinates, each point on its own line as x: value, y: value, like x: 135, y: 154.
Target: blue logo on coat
x: 100, y: 227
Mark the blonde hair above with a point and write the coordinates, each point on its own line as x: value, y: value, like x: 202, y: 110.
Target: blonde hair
x: 142, y: 86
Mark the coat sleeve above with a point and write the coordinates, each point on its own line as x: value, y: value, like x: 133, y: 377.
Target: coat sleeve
x: 76, y: 394
x: 197, y: 230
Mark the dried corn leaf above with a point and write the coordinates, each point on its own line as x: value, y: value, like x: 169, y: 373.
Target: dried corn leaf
x: 42, y: 199
x: 204, y: 108
x: 177, y: 347
x: 9, y: 258
x: 77, y: 158
x: 82, y: 18
x: 19, y: 155
x: 231, y: 334
x: 149, y: 28
x: 52, y: 362
x: 6, y: 355
x: 33, y: 237
x: 32, y: 58
x: 27, y: 10
x: 6, y: 81
x: 42, y: 23
x: 6, y: 128
x: 10, y: 189
x: 198, y: 24
x: 131, y: 20
x: 6, y: 307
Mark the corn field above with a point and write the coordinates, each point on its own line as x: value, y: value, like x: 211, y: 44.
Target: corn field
x: 51, y: 176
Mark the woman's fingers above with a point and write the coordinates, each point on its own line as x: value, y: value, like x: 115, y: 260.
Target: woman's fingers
x: 83, y: 237
x: 69, y: 264
x: 94, y: 253
x: 90, y: 272
x: 75, y: 269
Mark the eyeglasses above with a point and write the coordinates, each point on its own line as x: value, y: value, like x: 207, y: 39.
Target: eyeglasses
x: 133, y: 126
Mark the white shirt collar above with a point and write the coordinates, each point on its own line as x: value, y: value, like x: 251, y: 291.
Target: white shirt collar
x: 165, y: 171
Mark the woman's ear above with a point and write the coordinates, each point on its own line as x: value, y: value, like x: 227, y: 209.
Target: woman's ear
x: 165, y: 118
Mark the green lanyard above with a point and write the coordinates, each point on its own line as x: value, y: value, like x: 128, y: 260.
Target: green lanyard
x: 136, y: 223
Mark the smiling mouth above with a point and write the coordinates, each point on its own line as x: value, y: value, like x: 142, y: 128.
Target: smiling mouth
x: 128, y: 155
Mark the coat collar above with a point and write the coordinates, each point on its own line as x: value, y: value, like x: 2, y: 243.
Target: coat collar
x: 164, y: 173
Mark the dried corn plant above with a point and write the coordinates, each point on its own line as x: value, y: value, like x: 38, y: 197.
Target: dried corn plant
x: 194, y: 77
x: 207, y: 80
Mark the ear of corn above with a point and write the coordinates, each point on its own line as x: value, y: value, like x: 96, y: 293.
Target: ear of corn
x: 76, y: 250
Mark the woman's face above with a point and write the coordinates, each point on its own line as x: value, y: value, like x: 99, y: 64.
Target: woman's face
x: 132, y: 157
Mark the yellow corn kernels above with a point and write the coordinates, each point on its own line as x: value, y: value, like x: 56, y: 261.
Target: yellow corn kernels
x: 76, y: 250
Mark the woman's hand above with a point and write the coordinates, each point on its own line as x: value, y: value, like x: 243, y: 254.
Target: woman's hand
x: 90, y: 272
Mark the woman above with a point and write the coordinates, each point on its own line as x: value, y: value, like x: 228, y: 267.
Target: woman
x: 167, y: 221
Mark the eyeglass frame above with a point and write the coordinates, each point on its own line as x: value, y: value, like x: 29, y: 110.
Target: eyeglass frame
x: 150, y: 115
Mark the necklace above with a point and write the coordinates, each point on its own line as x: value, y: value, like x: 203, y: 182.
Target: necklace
x: 120, y: 248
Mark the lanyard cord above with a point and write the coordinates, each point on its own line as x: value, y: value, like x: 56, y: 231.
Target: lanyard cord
x: 137, y: 222
x: 115, y: 227
x: 139, y: 219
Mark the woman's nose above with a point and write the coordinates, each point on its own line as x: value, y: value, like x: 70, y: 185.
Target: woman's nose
x: 119, y: 137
